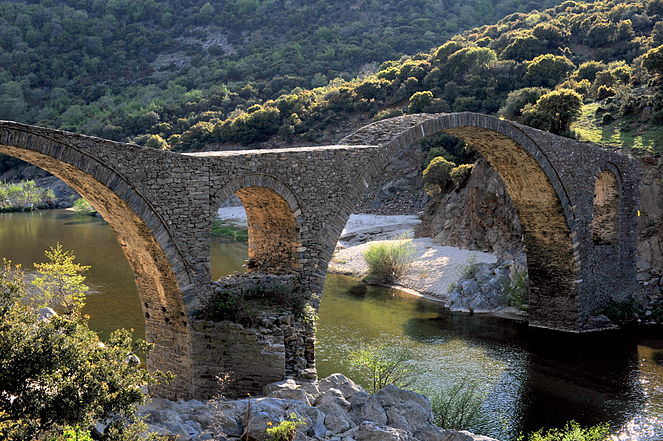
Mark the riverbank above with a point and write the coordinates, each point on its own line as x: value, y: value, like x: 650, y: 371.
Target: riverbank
x: 435, y: 268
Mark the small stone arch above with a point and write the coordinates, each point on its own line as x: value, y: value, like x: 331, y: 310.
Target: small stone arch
x: 160, y: 271
x: 273, y: 215
x: 606, y: 208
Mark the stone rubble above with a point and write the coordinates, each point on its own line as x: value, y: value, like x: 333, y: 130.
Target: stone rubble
x: 333, y: 409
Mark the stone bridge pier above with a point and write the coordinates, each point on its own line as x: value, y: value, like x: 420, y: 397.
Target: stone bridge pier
x: 577, y: 204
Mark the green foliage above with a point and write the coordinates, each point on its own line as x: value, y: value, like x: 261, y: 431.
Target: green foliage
x: 74, y: 434
x: 653, y: 60
x: 470, y: 269
x: 516, y: 291
x: 56, y: 374
x: 459, y: 406
x: 437, y: 176
x: 388, y: 113
x: 285, y: 430
x: 554, y: 111
x: 384, y: 365
x: 459, y: 175
x: 548, y: 70
x: 244, y: 305
x: 451, y: 148
x: 226, y: 229
x: 24, y: 195
x: 572, y: 431
x: 518, y: 99
x: 420, y: 101
x: 81, y: 206
x: 388, y: 261
x: 60, y: 281
x: 630, y: 312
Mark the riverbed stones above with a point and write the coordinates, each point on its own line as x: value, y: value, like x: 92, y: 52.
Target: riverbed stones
x: 390, y: 414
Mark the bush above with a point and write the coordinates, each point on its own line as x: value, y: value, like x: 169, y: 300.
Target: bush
x: 516, y: 291
x: 286, y: 429
x: 470, y: 270
x: 57, y: 377
x: 461, y: 174
x: 518, y: 99
x: 420, y: 101
x: 388, y: 261
x: 384, y: 365
x: 437, y: 176
x: 245, y: 305
x: 554, y: 111
x: 459, y: 407
x: 81, y: 206
x: 388, y: 113
x: 571, y: 432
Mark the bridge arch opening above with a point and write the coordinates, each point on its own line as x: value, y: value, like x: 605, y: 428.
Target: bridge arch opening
x: 158, y: 277
x: 605, y: 213
x: 271, y: 221
x: 532, y: 184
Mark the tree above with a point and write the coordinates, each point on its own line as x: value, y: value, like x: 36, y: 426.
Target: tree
x: 56, y: 373
x: 60, y: 281
x: 653, y: 60
x: 157, y: 142
x: 384, y: 365
x: 554, y: 111
x: 548, y: 70
x: 419, y: 101
x: 518, y: 99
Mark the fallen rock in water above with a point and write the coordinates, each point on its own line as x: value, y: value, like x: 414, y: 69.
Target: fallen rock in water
x: 333, y: 409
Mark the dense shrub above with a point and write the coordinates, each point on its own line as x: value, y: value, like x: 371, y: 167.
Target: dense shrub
x: 437, y: 176
x: 554, y: 111
x: 516, y: 292
x: 56, y: 375
x: 459, y: 175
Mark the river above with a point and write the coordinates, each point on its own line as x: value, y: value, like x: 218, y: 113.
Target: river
x: 531, y: 378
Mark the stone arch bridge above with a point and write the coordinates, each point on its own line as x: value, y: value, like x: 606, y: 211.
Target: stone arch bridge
x: 577, y: 204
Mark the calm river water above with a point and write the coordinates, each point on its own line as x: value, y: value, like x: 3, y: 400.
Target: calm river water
x: 531, y: 378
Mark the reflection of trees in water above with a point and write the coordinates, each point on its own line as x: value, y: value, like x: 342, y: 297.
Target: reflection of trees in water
x: 588, y: 378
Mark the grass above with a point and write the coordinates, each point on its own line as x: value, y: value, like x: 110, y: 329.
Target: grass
x: 516, y: 291
x: 223, y: 228
x: 459, y: 406
x: 388, y: 261
x: 644, y: 139
x: 81, y: 206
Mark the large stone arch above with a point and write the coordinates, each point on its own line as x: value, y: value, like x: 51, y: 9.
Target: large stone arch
x: 273, y: 216
x: 539, y: 195
x: 160, y: 272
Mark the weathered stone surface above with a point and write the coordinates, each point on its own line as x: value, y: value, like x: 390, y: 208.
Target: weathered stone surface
x: 161, y: 206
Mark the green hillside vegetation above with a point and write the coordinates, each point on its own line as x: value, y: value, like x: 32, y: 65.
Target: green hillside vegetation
x: 122, y: 68
x: 545, y: 69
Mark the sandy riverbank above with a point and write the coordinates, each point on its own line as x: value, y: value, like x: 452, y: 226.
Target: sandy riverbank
x: 435, y: 267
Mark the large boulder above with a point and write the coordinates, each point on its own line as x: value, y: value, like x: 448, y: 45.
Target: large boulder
x: 342, y: 383
x: 368, y: 431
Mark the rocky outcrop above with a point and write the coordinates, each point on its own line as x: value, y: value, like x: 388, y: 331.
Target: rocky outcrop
x: 478, y: 216
x: 334, y: 409
x: 487, y: 288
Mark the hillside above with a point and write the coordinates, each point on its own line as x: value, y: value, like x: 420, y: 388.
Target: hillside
x: 122, y: 68
x: 592, y: 53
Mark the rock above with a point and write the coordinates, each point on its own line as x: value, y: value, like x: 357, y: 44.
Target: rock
x: 46, y: 313
x: 368, y: 431
x: 392, y: 395
x: 287, y: 389
x: 365, y: 407
x: 453, y: 435
x: 470, y: 288
x: 339, y: 381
